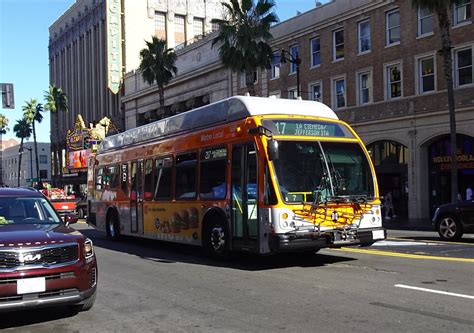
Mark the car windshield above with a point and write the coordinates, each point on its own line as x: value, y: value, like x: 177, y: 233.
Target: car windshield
x: 22, y: 210
x: 311, y: 170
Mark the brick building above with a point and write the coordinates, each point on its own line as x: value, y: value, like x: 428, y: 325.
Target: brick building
x: 376, y: 63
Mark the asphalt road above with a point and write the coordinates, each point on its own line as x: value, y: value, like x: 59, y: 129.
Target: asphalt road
x: 408, y: 283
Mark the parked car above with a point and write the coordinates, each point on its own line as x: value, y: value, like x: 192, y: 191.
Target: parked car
x: 454, y: 219
x: 43, y: 261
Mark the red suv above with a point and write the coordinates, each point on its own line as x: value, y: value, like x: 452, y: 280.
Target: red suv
x: 43, y: 262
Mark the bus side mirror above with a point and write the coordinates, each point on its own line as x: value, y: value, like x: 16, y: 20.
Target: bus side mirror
x: 272, y: 149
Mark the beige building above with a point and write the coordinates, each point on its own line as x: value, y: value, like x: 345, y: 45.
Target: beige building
x: 11, y: 158
x: 376, y: 63
x: 95, y: 41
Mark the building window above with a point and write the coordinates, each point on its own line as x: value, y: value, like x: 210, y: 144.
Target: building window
x: 292, y: 93
x: 339, y: 93
x: 44, y: 174
x: 215, y: 27
x: 425, y: 21
x: 364, y: 87
x: 364, y: 36
x: 426, y: 75
x: 276, y: 65
x: 463, y: 66
x: 294, y: 55
x: 338, y: 44
x: 179, y: 31
x: 393, y: 27
x: 315, y: 92
x: 462, y: 11
x: 43, y: 159
x: 243, y: 79
x: 198, y: 27
x: 394, y: 80
x: 160, y: 21
x: 315, y: 52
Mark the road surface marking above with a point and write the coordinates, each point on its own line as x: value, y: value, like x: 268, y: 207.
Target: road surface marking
x: 434, y: 291
x: 403, y: 255
x: 432, y: 241
x: 404, y: 243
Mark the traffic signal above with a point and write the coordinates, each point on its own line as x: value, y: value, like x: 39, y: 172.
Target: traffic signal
x: 8, y: 99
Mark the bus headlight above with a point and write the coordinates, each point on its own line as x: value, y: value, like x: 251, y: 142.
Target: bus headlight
x: 286, y: 219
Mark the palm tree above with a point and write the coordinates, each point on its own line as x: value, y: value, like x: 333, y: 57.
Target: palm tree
x: 22, y: 131
x: 56, y: 101
x: 442, y: 9
x: 3, y: 130
x: 243, y: 37
x: 32, y: 113
x: 157, y: 65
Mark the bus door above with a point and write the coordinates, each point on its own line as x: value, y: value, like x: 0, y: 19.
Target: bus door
x: 136, y: 197
x: 244, y: 200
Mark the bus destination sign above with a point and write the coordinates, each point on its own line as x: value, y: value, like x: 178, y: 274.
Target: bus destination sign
x: 307, y: 128
x: 215, y: 153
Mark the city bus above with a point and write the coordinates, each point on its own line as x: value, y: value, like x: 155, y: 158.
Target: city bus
x: 254, y: 174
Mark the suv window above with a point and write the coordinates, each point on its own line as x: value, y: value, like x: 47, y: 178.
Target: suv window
x: 27, y: 210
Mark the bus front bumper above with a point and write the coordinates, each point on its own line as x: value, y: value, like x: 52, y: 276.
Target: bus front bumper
x: 328, y: 238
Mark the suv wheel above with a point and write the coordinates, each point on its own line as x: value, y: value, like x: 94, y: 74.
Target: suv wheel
x: 449, y: 228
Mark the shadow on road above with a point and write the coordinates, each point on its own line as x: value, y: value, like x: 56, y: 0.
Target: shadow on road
x: 36, y: 316
x: 165, y: 252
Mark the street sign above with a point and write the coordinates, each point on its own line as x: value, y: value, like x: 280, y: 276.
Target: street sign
x: 8, y: 99
x: 28, y: 180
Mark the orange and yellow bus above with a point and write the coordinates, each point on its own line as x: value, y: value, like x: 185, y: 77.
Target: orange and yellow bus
x: 253, y: 174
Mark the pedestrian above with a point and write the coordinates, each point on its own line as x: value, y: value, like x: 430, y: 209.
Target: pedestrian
x: 389, y: 209
x: 469, y: 193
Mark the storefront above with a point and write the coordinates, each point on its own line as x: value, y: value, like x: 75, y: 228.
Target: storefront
x: 391, y: 167
x: 440, y: 168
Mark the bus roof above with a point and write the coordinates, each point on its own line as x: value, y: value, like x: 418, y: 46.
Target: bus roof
x: 220, y: 112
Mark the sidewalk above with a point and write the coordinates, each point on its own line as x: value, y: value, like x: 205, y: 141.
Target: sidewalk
x: 403, y: 223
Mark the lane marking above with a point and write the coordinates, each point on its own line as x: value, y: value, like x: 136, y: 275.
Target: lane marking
x: 431, y: 241
x: 403, y: 255
x: 434, y: 291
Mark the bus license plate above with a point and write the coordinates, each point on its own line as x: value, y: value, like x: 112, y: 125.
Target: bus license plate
x: 33, y: 285
x: 378, y: 234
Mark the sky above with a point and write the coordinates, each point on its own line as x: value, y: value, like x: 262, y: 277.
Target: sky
x: 24, y: 61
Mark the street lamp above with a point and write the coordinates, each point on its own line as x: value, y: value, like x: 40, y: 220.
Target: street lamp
x: 31, y: 164
x: 293, y: 59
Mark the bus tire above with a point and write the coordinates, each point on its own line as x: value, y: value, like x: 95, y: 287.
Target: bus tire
x: 112, y: 227
x: 216, y: 238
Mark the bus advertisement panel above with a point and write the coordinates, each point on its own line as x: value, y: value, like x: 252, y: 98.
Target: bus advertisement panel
x: 251, y: 174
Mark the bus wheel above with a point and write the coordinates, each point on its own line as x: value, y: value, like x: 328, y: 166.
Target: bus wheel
x: 216, y: 239
x: 113, y: 230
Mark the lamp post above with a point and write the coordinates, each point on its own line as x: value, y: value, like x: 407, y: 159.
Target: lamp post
x: 31, y: 164
x: 293, y: 59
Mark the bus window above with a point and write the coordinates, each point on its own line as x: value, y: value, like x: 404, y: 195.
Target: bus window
x: 124, y: 179
x: 185, y: 184
x: 270, y: 195
x: 212, y: 183
x: 162, y: 181
x: 98, y: 179
x: 110, y: 179
x: 148, y: 179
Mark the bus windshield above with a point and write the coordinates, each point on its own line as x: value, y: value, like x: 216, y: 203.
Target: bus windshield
x: 310, y: 171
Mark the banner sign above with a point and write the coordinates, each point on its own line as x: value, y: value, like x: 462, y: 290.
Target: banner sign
x: 114, y: 45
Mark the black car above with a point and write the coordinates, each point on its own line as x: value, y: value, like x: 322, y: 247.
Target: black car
x: 454, y: 219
